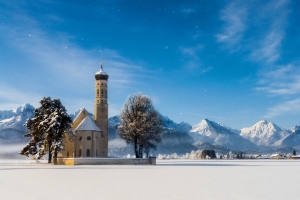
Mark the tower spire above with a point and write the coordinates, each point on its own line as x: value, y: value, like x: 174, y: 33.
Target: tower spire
x: 101, y: 64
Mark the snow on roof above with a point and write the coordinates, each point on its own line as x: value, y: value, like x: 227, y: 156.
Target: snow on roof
x: 102, y: 72
x: 87, y: 124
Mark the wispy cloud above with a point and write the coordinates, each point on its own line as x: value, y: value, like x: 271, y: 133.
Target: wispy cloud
x: 267, y: 46
x: 288, y: 107
x: 62, y: 58
x: 11, y: 98
x: 234, y: 15
x: 187, y: 10
x: 191, y: 56
x: 284, y: 80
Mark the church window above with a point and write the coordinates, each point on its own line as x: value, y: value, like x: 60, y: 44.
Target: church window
x: 80, y: 138
x: 88, y: 138
x: 101, y: 83
x: 102, y: 101
x: 106, y: 93
x: 67, y: 154
x: 102, y: 92
x: 88, y: 153
x: 97, y: 92
x: 79, y: 154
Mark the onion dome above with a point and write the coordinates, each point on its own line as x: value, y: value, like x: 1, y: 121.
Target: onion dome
x: 101, y: 75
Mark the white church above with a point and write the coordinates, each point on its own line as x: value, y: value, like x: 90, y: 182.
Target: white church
x: 88, y: 143
x: 90, y: 136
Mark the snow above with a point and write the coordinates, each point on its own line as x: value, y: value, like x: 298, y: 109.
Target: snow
x: 169, y: 179
x: 102, y: 72
x: 264, y: 133
x: 217, y: 134
x: 87, y: 124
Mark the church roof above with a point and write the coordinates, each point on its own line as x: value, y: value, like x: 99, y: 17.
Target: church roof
x: 87, y: 124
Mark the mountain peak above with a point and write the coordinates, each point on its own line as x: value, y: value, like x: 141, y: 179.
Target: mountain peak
x: 217, y: 134
x: 264, y: 133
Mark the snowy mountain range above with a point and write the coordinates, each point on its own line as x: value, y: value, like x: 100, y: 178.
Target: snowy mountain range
x: 11, y: 123
x: 217, y: 134
x: 264, y: 133
x: 177, y: 138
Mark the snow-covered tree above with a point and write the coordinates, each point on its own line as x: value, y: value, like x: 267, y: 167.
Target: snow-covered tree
x: 140, y: 124
x: 47, y: 129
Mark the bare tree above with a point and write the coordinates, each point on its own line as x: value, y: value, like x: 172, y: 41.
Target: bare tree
x: 140, y: 124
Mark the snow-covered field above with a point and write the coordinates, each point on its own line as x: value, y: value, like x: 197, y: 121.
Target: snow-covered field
x: 169, y: 179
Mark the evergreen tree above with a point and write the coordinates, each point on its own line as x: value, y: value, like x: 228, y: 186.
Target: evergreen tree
x: 47, y: 129
x: 140, y: 124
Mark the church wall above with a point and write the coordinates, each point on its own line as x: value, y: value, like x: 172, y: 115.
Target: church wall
x: 68, y: 147
x: 88, y: 140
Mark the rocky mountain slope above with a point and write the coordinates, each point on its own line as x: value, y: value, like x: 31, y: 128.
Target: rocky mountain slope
x: 11, y: 124
x: 217, y: 134
x: 264, y: 133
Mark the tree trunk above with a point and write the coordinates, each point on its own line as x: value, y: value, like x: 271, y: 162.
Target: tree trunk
x: 136, y: 149
x: 141, y: 152
x: 49, y: 155
x: 55, y: 158
x: 147, y: 153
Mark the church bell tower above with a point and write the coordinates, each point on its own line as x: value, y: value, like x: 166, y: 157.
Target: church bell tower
x: 101, y: 109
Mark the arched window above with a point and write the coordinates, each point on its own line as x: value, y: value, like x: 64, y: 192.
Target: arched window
x: 106, y: 93
x: 80, y: 138
x: 67, y: 154
x: 88, y: 138
x: 102, y: 92
x: 97, y: 92
x: 88, y: 153
x: 79, y: 154
x: 101, y: 101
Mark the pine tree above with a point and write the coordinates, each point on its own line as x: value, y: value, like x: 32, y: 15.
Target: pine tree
x: 140, y: 124
x: 47, y: 129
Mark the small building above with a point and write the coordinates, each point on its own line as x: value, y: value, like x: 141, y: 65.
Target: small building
x: 275, y: 156
x: 295, y: 157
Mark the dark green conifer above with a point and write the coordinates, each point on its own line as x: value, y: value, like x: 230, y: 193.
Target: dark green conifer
x: 47, y: 129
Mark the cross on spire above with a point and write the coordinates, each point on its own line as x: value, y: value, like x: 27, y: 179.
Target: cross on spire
x: 101, y: 64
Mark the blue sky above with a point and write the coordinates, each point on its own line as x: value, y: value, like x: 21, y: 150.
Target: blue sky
x: 233, y: 62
